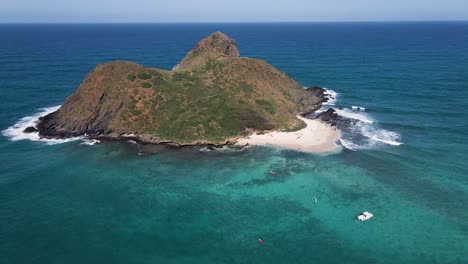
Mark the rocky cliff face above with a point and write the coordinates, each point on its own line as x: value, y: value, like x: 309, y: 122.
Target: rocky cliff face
x: 211, y: 96
x: 217, y: 44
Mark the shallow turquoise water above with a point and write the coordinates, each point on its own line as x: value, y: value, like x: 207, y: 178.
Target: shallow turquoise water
x: 69, y: 203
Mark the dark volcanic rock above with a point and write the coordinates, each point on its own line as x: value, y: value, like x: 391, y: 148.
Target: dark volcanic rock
x: 332, y: 118
x: 29, y: 129
x: 329, y: 116
x: 213, y: 96
x: 316, y: 91
x: 47, y: 128
x: 217, y: 43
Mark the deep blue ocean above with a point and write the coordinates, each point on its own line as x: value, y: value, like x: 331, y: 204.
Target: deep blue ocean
x: 405, y: 162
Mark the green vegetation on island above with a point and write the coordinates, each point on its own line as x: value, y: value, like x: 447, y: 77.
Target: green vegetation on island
x: 211, y: 96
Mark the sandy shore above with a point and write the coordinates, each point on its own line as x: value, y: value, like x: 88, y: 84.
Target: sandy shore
x: 317, y: 137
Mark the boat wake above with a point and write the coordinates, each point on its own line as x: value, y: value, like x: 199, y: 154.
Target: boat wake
x: 363, y: 132
x: 16, y: 132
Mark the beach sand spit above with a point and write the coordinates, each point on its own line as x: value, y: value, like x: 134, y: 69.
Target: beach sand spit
x: 316, y: 137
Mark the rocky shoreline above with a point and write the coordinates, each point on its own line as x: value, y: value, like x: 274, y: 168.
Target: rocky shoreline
x: 213, y: 97
x: 332, y: 118
x: 46, y: 129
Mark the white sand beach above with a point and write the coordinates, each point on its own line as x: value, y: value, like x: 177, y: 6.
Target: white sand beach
x: 316, y: 137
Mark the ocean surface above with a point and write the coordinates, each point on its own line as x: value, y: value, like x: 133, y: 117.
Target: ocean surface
x: 405, y: 161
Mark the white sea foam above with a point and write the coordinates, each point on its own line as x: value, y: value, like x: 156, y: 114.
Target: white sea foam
x: 363, y: 134
x: 16, y: 132
x: 89, y: 142
x: 345, y: 112
x: 204, y: 149
x: 349, y: 144
x: 358, y: 108
x: 381, y: 135
x: 331, y: 95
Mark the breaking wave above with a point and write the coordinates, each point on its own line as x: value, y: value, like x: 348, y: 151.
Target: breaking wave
x: 16, y: 131
x: 366, y: 136
x: 331, y: 95
x: 363, y: 133
x: 358, y: 108
x: 354, y: 114
x: 89, y: 142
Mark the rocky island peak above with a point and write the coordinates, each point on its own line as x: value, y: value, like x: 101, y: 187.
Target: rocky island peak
x: 211, y: 97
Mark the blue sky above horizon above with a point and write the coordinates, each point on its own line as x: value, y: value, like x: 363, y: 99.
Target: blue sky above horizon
x: 97, y: 11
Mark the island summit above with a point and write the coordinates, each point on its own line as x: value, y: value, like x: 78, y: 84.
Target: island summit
x: 213, y: 96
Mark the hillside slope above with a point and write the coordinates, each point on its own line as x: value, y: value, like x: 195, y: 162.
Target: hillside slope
x: 211, y: 96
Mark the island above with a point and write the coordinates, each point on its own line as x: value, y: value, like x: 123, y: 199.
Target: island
x: 212, y: 97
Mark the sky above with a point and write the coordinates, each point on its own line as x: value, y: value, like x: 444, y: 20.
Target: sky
x: 122, y: 11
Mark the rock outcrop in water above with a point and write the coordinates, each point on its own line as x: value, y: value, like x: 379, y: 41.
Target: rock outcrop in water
x: 211, y: 97
x: 332, y: 118
x: 30, y: 130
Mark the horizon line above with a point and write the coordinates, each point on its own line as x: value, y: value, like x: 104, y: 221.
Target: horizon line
x: 236, y: 22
